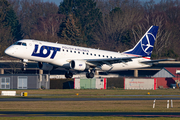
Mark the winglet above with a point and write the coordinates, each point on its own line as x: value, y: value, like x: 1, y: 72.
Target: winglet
x: 145, y: 45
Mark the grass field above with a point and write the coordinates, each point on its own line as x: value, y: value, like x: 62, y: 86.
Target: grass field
x: 64, y: 92
x: 91, y: 106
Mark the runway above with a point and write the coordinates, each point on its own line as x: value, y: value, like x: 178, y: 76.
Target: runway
x: 83, y: 99
x: 63, y: 114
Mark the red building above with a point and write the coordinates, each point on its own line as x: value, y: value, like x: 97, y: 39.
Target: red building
x: 167, y: 76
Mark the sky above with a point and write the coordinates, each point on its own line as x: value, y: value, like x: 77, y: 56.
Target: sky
x: 54, y: 1
x: 58, y: 1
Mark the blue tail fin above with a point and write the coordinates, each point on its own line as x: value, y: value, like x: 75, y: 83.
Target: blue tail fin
x: 145, y: 46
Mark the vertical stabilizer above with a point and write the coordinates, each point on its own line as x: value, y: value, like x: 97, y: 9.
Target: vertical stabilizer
x: 145, y: 45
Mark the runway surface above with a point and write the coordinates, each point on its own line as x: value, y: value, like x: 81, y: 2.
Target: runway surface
x: 62, y: 114
x: 83, y: 99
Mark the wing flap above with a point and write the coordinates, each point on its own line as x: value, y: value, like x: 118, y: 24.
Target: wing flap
x: 155, y: 61
x: 108, y: 61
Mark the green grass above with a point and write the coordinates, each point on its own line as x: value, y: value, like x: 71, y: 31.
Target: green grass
x: 90, y: 106
x: 100, y: 92
x: 66, y: 93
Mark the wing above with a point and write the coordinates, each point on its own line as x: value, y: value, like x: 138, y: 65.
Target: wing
x: 156, y: 61
x: 108, y: 61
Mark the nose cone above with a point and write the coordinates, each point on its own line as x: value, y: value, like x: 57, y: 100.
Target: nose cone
x: 8, y: 51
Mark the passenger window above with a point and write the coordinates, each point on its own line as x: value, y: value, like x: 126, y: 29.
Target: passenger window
x: 94, y: 54
x: 66, y: 50
x: 87, y: 53
x: 74, y: 51
x: 107, y: 56
x: 63, y: 50
x: 91, y: 54
x: 103, y: 55
x: 79, y: 52
x: 83, y: 52
x: 111, y: 57
x: 71, y: 51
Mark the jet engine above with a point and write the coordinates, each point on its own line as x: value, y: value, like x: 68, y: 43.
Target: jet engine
x: 78, y: 65
x: 45, y: 66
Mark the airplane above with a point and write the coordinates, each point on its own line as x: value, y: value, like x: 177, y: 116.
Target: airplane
x: 52, y: 55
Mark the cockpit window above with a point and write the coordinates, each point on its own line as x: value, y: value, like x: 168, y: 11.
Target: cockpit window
x: 17, y: 43
x: 24, y: 44
x: 20, y: 43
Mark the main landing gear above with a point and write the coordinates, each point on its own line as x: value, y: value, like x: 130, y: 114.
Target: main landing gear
x: 68, y: 74
x: 89, y: 74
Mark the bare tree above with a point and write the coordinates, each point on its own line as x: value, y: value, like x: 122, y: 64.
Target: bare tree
x: 163, y: 35
x: 47, y: 27
x: 117, y: 24
x: 29, y: 11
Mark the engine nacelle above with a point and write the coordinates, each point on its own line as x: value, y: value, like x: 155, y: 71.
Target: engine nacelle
x: 45, y: 66
x: 78, y: 65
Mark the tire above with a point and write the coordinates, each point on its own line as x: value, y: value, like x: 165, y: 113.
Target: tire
x: 68, y: 74
x: 90, y: 75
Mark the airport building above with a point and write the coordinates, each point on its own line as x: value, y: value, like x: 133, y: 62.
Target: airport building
x: 24, y: 81
x: 13, y: 77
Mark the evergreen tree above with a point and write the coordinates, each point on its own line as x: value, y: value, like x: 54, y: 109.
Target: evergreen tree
x: 70, y: 32
x: 9, y: 19
x: 10, y: 29
x: 87, y: 15
x: 66, y: 7
x: 12, y: 21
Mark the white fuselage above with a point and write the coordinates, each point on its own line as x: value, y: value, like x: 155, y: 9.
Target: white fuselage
x: 61, y: 54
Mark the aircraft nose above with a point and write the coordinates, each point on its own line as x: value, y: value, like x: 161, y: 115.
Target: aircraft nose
x: 8, y: 51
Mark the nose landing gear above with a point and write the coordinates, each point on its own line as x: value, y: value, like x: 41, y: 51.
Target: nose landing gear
x: 24, y: 66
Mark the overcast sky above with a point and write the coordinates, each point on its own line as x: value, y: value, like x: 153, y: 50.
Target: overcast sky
x: 58, y: 1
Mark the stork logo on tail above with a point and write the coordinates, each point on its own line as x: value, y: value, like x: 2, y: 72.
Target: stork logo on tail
x: 147, y: 43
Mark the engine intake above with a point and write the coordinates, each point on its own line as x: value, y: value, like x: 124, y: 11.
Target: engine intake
x: 45, y: 66
x: 78, y: 65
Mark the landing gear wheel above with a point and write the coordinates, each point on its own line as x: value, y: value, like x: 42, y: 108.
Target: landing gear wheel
x: 24, y: 67
x: 68, y: 74
x: 90, y: 75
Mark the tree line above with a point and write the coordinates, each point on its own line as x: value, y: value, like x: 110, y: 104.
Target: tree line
x: 115, y: 25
